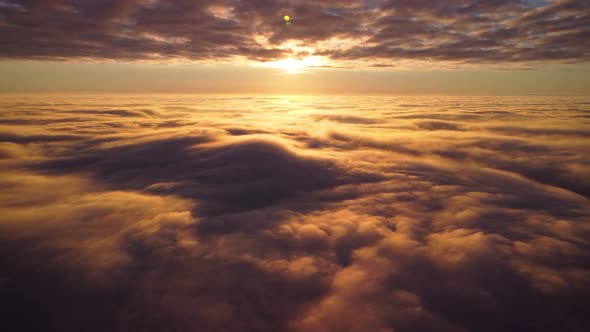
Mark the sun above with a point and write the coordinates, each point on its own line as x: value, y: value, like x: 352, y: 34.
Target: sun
x: 291, y: 66
x: 295, y: 66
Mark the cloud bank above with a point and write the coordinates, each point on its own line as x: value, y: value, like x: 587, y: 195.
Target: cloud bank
x: 333, y: 214
x: 374, y: 32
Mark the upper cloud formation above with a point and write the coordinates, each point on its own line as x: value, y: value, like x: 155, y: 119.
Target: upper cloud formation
x: 374, y: 32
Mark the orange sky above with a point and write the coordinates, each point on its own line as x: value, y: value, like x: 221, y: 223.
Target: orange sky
x: 79, y: 77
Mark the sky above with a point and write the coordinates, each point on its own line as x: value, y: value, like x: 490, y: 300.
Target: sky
x: 369, y: 46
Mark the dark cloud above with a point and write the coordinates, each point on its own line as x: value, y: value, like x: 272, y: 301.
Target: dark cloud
x: 375, y: 31
x: 360, y: 214
x: 245, y: 131
x: 228, y: 178
x: 349, y: 119
x: 438, y: 125
x: 15, y: 138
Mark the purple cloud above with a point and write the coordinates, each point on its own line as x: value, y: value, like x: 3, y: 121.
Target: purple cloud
x: 382, y: 32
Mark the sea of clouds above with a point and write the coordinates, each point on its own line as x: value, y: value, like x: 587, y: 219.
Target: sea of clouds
x: 317, y: 213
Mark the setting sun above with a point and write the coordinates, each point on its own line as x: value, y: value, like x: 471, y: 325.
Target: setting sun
x: 295, y: 66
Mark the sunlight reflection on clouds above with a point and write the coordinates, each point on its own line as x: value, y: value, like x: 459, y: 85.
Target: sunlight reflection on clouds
x: 295, y: 213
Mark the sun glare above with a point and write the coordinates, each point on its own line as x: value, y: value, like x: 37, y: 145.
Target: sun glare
x: 294, y: 66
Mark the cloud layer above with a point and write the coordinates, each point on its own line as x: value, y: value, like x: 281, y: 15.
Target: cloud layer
x: 332, y: 214
x: 375, y: 32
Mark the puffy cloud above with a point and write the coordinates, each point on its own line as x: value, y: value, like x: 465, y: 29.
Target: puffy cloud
x: 419, y: 214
